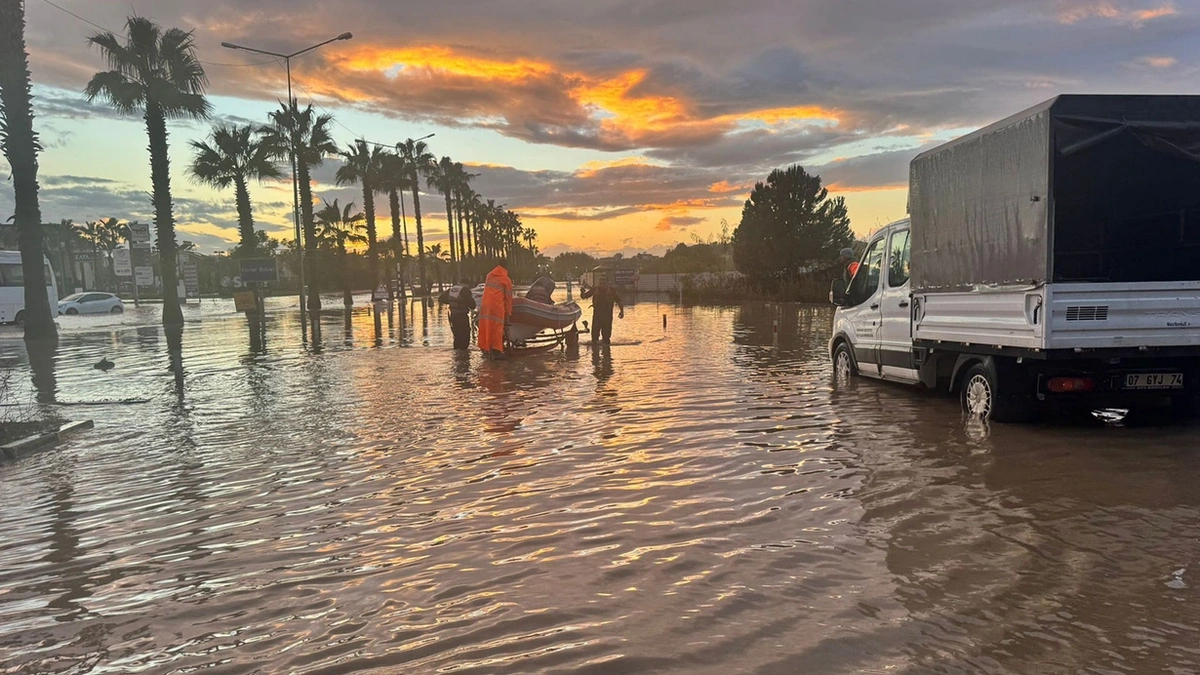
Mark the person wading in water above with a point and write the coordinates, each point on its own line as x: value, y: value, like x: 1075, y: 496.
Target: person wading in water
x: 461, y: 304
x: 603, y: 298
x: 494, y: 312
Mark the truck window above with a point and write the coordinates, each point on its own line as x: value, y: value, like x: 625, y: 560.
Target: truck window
x: 899, y: 259
x: 866, y: 280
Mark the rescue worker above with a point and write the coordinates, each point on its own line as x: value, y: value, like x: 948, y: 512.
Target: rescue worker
x: 850, y: 265
x: 461, y: 304
x: 603, y: 298
x: 494, y: 312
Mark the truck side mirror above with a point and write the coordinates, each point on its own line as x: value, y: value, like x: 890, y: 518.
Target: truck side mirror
x: 837, y: 292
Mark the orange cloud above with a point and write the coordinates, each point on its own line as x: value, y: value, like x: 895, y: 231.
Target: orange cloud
x: 1072, y: 12
x: 1157, y: 61
x: 533, y: 97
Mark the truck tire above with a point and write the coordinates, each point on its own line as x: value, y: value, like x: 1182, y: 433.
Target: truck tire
x: 843, y: 363
x: 983, y: 398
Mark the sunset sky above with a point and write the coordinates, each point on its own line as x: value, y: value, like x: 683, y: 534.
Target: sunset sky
x: 609, y: 125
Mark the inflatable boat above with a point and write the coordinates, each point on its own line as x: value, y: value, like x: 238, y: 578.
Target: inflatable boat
x: 530, y: 317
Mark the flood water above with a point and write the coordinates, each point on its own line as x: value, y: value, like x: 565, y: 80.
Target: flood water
x: 699, y: 499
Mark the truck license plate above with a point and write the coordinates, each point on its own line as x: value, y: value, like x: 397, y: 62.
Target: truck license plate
x: 1154, y: 381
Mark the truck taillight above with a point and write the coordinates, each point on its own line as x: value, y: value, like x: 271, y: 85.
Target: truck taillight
x: 1071, y: 385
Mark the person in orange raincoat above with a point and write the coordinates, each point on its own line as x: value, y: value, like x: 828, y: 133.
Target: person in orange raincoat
x: 495, y: 311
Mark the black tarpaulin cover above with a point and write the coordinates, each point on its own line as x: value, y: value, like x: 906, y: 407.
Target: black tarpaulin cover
x: 982, y: 206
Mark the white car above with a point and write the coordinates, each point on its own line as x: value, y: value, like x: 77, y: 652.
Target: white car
x: 90, y: 303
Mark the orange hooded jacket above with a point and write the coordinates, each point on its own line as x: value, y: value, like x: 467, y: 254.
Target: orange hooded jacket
x: 495, y: 309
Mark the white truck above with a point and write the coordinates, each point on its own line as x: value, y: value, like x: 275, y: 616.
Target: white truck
x: 1051, y: 258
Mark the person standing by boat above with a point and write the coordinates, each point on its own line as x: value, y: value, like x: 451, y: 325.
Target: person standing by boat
x: 494, y: 312
x: 603, y: 298
x: 461, y: 304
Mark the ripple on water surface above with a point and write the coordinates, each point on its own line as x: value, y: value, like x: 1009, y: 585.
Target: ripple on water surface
x: 695, y: 500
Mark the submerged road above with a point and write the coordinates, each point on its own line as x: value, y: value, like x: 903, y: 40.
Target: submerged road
x: 696, y: 500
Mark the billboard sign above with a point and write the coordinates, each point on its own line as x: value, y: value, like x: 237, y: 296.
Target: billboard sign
x: 258, y: 270
x: 122, y: 263
x: 139, y: 235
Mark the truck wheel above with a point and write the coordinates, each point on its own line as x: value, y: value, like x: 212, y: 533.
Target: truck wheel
x: 843, y: 363
x: 983, y: 399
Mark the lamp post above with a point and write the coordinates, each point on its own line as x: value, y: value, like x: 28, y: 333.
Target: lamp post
x: 287, y: 61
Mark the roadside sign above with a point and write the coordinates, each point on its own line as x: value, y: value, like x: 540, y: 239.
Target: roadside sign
x: 85, y: 257
x: 243, y: 301
x: 122, y: 263
x: 624, y: 278
x: 139, y: 235
x: 191, y: 279
x: 144, y: 276
x: 258, y: 270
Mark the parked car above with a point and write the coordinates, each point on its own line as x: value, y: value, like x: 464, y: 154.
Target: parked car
x: 90, y: 303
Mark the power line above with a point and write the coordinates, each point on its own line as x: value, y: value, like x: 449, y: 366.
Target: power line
x: 109, y: 30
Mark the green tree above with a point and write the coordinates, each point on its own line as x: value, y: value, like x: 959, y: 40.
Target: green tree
x: 788, y: 225
x: 61, y: 238
x: 393, y: 178
x: 363, y: 165
x: 20, y: 145
x: 419, y: 161
x: 154, y: 72
x: 443, y: 178
x: 571, y: 264
x: 232, y: 157
x: 313, y: 143
x: 339, y: 228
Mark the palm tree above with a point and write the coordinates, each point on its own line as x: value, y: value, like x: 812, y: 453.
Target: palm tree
x: 419, y: 162
x: 393, y: 179
x: 363, y: 166
x: 313, y: 143
x: 92, y: 234
x: 233, y: 157
x: 60, y: 238
x: 154, y: 72
x: 442, y: 178
x: 462, y: 181
x: 440, y: 259
x: 339, y: 228
x: 20, y: 145
x: 109, y: 236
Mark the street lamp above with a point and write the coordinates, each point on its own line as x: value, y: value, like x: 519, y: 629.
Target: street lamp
x: 287, y: 61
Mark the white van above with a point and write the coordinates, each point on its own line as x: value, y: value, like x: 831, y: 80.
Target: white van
x: 12, y: 287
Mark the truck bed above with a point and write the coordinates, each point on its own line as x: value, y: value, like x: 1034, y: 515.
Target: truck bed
x: 1063, y: 316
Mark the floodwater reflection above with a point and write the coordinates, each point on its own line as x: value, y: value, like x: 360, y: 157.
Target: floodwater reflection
x: 704, y: 499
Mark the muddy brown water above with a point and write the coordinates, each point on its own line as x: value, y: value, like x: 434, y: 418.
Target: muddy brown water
x: 696, y: 500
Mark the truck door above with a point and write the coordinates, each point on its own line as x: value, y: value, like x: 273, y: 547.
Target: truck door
x: 861, y: 311
x: 895, y: 306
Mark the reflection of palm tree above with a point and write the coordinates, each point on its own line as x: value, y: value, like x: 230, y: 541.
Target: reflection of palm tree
x: 418, y: 161
x: 20, y: 147
x: 233, y: 156
x: 363, y: 165
x: 154, y: 72
x: 340, y: 228
x: 313, y: 142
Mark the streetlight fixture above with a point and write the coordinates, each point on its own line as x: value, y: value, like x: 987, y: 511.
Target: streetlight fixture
x: 287, y: 61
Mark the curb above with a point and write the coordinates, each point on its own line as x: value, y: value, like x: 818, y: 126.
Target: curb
x: 26, y: 446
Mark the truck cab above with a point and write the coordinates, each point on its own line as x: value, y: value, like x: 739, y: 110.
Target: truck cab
x: 872, y: 330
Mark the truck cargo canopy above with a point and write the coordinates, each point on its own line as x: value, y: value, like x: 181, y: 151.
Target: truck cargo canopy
x: 1079, y: 188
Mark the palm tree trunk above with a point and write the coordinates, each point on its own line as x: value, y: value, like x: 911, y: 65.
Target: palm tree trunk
x: 164, y: 220
x: 450, y: 231
x: 245, y: 218
x: 20, y: 147
x: 372, y: 251
x: 462, y: 251
x: 394, y: 198
x: 310, y: 237
x: 347, y: 296
x: 420, y: 235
